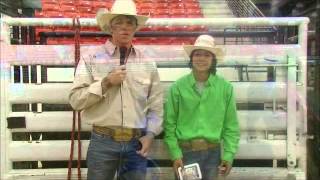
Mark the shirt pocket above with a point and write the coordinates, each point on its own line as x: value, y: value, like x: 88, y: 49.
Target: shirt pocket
x: 140, y: 87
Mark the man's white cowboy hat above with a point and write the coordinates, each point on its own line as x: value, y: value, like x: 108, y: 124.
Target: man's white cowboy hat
x: 120, y: 7
x: 205, y: 42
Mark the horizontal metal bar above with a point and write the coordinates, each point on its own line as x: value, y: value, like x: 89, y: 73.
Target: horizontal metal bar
x: 286, y: 21
x: 180, y: 62
x: 260, y: 91
x: 237, y: 173
x: 62, y: 121
x: 244, y: 91
x: 38, y: 151
x: 31, y: 93
x: 166, y: 34
x: 262, y: 120
x: 64, y: 54
x: 184, y: 64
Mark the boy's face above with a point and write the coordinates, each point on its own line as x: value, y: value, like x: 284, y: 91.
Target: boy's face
x: 201, y: 60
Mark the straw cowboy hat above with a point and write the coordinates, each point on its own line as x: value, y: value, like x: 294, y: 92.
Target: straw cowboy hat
x: 120, y: 7
x: 205, y: 42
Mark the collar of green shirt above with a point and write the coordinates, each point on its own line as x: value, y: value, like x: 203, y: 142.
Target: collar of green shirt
x: 210, y: 82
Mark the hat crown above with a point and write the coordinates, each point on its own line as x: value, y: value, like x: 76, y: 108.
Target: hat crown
x: 119, y: 7
x: 124, y: 7
x: 205, y: 41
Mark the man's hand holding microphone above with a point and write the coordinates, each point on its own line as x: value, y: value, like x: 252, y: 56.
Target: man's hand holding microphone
x: 114, y: 78
x: 117, y: 75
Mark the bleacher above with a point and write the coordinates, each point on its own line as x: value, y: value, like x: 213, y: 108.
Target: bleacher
x: 151, y: 8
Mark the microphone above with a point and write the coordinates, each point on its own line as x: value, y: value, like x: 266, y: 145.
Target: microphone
x: 123, y: 51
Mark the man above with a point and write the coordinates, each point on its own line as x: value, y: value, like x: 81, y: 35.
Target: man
x: 123, y: 103
x: 200, y: 113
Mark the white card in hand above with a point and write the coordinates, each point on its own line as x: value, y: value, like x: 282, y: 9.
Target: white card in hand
x: 191, y: 171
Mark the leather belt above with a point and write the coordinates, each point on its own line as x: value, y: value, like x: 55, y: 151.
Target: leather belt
x: 119, y: 133
x: 198, y: 145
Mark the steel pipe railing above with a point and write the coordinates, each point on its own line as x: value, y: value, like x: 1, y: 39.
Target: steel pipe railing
x: 223, y: 22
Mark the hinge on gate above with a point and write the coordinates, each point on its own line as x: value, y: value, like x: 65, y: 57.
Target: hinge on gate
x: 308, y: 136
x: 252, y: 138
x: 40, y: 139
x: 37, y: 140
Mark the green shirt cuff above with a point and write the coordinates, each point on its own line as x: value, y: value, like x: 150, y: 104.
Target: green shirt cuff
x: 176, y: 154
x: 228, y: 156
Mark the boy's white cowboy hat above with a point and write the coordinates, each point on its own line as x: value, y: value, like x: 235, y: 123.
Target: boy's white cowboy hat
x: 205, y: 42
x: 120, y: 7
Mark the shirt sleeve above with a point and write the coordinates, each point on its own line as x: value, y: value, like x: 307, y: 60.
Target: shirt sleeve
x: 155, y: 104
x: 85, y: 91
x: 170, y: 123
x: 231, y: 131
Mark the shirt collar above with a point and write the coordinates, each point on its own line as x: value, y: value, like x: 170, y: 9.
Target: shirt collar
x: 111, y: 49
x: 210, y: 82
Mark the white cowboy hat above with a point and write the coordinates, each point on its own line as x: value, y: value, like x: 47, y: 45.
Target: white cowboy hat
x: 120, y: 7
x: 205, y: 42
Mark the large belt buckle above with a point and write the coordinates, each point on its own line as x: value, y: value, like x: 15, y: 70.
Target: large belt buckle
x: 123, y: 134
x: 198, y: 145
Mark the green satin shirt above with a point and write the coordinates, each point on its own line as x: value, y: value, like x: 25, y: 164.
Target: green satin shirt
x: 211, y: 115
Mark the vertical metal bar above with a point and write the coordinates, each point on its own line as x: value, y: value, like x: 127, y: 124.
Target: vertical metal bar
x: 29, y: 80
x: 5, y: 140
x: 316, y: 104
x: 29, y: 74
x: 291, y: 114
x: 20, y: 29
x: 274, y: 100
x: 6, y: 77
x: 38, y: 80
x: 39, y: 107
x: 274, y: 104
x: 21, y: 74
x: 302, y: 93
x: 5, y: 30
x: 11, y: 74
x: 274, y: 163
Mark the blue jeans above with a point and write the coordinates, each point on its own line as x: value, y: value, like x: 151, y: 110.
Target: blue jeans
x: 208, y: 160
x: 103, y: 159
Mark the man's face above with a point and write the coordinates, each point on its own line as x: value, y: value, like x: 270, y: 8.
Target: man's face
x: 201, y: 60
x: 123, y: 29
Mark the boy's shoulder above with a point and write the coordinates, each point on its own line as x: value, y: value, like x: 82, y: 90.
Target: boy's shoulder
x: 222, y: 80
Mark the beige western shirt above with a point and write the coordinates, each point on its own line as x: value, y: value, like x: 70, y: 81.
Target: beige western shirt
x: 142, y: 94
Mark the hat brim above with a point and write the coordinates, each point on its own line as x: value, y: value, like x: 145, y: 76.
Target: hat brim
x: 219, y: 52
x: 103, y: 20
